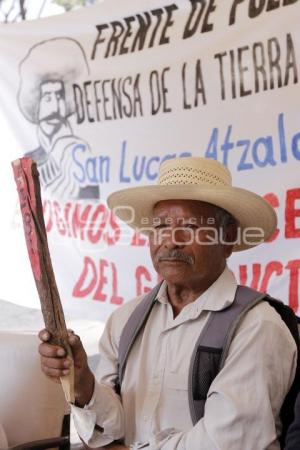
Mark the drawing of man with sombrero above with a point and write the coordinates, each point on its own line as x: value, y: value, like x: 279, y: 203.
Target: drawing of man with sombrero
x: 45, y: 99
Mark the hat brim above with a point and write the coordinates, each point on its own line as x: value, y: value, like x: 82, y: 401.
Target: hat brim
x: 134, y: 205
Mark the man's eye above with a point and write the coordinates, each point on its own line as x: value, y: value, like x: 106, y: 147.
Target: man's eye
x: 190, y: 226
x: 159, y: 226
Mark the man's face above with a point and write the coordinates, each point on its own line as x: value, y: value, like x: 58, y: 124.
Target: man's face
x: 183, y: 246
x: 52, y: 107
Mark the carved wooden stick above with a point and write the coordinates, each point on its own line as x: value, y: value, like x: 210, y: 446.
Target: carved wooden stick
x: 28, y: 186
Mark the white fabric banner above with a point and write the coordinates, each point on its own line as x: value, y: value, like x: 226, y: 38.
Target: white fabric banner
x: 101, y: 96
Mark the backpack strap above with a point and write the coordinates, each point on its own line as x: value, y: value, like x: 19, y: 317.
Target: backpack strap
x: 212, y: 347
x: 287, y: 409
x: 131, y: 330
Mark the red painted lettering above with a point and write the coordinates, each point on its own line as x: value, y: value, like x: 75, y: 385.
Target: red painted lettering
x: 138, y: 240
x: 140, y: 274
x: 256, y: 273
x: 60, y: 224
x: 272, y: 199
x: 291, y: 213
x: 294, y: 268
x: 113, y: 239
x: 67, y: 210
x: 102, y: 212
x: 115, y: 298
x: 99, y: 294
x: 79, y: 222
x: 89, y: 267
x: 273, y: 267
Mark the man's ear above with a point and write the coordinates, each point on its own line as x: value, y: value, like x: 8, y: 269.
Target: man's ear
x: 230, y: 236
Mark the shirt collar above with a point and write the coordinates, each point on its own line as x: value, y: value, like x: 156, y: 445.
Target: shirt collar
x: 218, y: 296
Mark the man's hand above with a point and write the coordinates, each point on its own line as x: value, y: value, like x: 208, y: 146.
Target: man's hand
x: 56, y: 364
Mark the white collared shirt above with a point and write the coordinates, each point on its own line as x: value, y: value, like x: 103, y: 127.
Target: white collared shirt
x: 244, y: 400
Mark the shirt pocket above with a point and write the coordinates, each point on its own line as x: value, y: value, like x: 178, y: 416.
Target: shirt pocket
x: 176, y: 401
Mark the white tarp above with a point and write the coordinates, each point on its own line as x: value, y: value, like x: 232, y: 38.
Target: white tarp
x: 101, y: 96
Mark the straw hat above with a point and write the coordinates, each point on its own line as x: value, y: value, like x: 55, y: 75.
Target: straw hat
x: 201, y: 179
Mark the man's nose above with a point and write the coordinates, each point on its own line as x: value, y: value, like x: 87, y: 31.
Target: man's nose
x: 53, y: 104
x: 57, y: 104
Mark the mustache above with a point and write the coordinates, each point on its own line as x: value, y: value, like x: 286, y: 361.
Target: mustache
x: 55, y: 116
x: 175, y: 254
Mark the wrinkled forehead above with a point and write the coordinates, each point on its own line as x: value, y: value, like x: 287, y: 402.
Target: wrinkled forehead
x: 183, y: 209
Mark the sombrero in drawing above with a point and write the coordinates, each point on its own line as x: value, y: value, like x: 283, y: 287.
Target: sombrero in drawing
x: 201, y: 179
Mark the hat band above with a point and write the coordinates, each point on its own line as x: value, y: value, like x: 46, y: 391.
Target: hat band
x: 190, y: 175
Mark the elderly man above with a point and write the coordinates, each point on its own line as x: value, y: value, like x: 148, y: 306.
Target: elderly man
x: 194, y: 219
